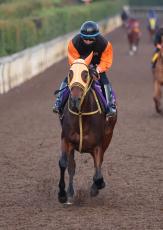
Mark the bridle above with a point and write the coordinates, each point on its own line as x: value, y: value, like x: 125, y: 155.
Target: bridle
x: 80, y: 114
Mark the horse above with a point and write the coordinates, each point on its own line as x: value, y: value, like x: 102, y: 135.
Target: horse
x: 133, y: 35
x: 84, y: 129
x: 158, y: 81
x: 133, y: 39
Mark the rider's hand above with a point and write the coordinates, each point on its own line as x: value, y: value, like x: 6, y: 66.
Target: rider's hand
x: 94, y: 73
x: 158, y: 46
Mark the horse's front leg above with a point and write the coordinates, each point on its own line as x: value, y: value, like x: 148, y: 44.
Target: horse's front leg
x: 157, y: 96
x: 63, y: 163
x: 62, y: 196
x: 71, y: 171
x: 98, y: 181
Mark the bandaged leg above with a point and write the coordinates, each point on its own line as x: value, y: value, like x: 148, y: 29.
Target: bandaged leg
x: 61, y: 97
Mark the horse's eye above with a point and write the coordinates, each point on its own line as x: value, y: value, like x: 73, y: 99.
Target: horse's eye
x: 84, y: 76
x: 70, y: 76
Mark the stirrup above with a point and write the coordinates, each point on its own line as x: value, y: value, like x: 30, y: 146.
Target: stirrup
x: 56, y: 110
x: 111, y: 112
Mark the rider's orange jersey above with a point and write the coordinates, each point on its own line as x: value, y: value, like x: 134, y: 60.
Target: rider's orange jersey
x: 102, y: 52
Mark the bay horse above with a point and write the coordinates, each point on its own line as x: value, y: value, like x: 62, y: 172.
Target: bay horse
x: 133, y: 35
x: 84, y: 129
x: 158, y: 81
x: 133, y: 39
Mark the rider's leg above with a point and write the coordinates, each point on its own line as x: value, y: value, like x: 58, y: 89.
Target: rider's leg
x: 109, y: 94
x: 155, y: 58
x: 57, y: 108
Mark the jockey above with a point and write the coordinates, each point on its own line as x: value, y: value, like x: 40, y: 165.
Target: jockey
x: 152, y: 19
x: 89, y: 39
x: 157, y: 42
x: 124, y: 15
x: 133, y: 25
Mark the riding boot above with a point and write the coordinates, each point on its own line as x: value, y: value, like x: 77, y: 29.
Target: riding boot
x: 109, y: 95
x: 111, y: 102
x: 57, y: 107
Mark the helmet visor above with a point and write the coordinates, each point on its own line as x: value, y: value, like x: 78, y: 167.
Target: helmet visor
x: 90, y: 37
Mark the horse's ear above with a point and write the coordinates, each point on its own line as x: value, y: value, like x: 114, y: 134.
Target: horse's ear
x: 89, y: 58
x: 70, y: 59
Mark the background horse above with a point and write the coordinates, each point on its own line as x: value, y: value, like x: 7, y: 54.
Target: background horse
x: 133, y: 39
x: 133, y: 35
x: 158, y: 81
x: 84, y: 128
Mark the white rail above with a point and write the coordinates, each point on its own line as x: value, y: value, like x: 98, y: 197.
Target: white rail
x: 141, y: 11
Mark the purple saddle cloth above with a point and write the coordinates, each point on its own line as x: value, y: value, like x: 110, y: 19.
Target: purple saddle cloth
x: 97, y: 87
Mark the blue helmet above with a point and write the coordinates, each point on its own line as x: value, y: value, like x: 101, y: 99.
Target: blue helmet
x: 89, y: 30
x: 152, y: 13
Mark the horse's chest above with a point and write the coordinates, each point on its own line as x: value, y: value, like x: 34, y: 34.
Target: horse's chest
x: 86, y: 134
x: 159, y: 71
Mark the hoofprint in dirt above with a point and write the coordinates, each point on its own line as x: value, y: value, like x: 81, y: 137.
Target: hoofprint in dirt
x: 132, y: 168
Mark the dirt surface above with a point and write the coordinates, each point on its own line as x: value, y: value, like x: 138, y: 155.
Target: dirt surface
x: 132, y: 167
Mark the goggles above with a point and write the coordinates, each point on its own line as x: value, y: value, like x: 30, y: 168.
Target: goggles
x: 89, y: 39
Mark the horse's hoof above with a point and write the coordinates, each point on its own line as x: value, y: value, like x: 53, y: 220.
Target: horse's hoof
x: 131, y: 53
x: 62, y: 197
x: 69, y: 201
x: 159, y: 111
x: 134, y: 48
x: 94, y: 190
x: 100, y: 184
x: 157, y: 105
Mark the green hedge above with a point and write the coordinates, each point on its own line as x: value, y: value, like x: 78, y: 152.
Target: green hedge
x: 16, y: 35
x: 22, y: 8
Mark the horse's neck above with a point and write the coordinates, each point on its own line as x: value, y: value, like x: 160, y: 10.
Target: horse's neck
x: 160, y: 58
x: 89, y: 103
x: 159, y: 68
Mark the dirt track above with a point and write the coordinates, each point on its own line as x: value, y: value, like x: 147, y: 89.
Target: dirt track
x: 132, y: 168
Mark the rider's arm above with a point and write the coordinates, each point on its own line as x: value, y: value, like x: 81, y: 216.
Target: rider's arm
x: 106, y: 59
x: 72, y: 51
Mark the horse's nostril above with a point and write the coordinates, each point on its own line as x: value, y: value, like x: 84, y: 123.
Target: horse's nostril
x: 76, y: 92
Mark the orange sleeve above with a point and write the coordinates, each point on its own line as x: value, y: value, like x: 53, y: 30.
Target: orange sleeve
x: 106, y: 59
x: 72, y: 51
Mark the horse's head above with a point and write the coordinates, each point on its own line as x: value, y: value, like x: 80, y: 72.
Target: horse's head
x: 79, y: 79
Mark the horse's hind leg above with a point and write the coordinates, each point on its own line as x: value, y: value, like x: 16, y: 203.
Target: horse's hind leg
x: 62, y: 196
x: 157, y: 96
x: 98, y: 181
x: 131, y: 52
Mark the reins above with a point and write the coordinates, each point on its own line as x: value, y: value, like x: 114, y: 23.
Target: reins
x: 80, y: 113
